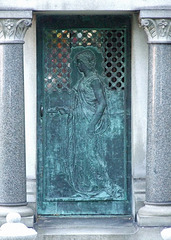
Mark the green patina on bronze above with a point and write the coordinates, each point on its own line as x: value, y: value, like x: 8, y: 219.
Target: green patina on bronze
x: 84, y: 115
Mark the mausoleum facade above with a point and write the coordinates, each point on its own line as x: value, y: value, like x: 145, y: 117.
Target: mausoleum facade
x: 85, y: 111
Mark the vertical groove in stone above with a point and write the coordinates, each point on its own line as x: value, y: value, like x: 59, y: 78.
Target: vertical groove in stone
x: 12, y: 133
x: 159, y: 125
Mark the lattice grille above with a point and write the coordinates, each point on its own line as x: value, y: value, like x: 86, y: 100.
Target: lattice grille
x: 115, y: 58
x: 58, y: 45
x: 87, y: 38
x: 57, y: 60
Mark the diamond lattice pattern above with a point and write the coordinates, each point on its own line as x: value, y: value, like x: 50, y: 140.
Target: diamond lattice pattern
x: 58, y: 45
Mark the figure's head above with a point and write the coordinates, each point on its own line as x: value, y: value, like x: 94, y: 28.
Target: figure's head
x: 86, y: 60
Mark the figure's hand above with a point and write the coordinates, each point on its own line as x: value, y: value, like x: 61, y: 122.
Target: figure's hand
x: 62, y: 111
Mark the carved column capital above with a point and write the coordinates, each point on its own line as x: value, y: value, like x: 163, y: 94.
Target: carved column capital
x: 13, y: 29
x: 13, y: 25
x: 157, y: 30
x: 157, y: 25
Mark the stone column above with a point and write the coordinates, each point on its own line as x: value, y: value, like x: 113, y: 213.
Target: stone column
x: 157, y: 209
x: 13, y: 26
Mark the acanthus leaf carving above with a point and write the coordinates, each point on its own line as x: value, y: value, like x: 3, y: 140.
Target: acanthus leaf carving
x: 149, y: 26
x: 21, y: 28
x: 157, y: 30
x: 9, y: 26
x: 163, y: 25
x: 1, y: 31
x: 13, y: 29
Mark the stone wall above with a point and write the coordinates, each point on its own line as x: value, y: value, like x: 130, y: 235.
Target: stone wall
x: 30, y: 110
x: 96, y: 5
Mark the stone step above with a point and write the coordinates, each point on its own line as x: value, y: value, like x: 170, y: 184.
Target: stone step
x: 93, y: 228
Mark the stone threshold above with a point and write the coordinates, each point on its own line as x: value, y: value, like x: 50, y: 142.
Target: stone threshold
x: 85, y: 225
x: 94, y: 228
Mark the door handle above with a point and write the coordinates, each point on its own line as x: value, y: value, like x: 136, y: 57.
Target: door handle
x: 41, y: 111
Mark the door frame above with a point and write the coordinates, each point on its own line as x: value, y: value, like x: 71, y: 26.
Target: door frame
x: 45, y: 20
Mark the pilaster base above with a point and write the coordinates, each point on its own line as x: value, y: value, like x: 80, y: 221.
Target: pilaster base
x: 154, y: 216
x: 27, y: 216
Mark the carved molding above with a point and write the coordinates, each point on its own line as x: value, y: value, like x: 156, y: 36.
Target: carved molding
x: 157, y: 30
x: 13, y: 29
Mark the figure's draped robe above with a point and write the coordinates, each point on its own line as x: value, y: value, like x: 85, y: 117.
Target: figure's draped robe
x: 88, y: 172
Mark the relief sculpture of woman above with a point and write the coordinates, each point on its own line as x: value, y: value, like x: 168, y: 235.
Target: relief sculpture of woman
x: 91, y: 95
x: 88, y: 170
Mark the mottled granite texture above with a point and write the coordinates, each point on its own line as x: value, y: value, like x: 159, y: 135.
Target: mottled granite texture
x: 158, y: 190
x: 12, y: 136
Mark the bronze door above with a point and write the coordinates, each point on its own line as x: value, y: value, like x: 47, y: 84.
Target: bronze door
x: 84, y: 115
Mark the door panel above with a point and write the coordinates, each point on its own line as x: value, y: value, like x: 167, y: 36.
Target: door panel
x: 84, y: 125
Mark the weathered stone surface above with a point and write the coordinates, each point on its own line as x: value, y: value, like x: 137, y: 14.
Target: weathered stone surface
x: 13, y: 229
x: 159, y: 125
x: 166, y: 234
x: 87, y: 228
x: 25, y: 212
x: 157, y: 25
x: 157, y: 211
x: 88, y: 6
x: 12, y: 143
x: 12, y: 122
